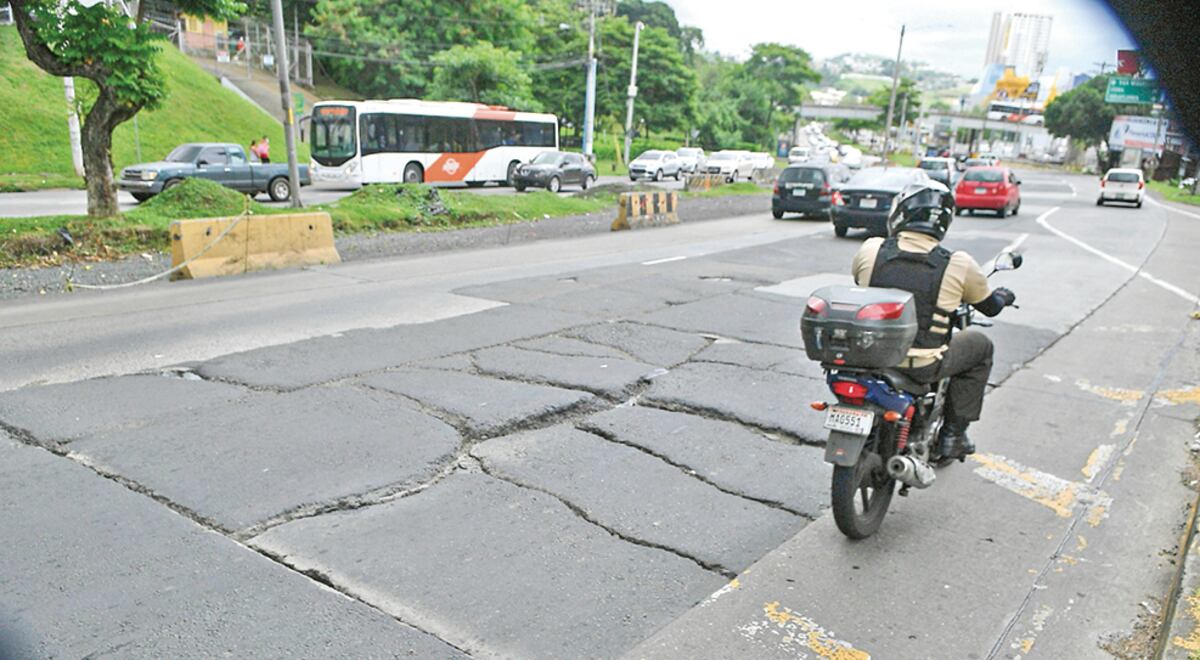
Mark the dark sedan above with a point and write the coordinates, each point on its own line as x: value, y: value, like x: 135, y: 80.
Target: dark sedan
x: 554, y: 169
x: 865, y: 200
x: 807, y: 189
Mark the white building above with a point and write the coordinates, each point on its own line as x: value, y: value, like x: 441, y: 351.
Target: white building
x: 1021, y: 41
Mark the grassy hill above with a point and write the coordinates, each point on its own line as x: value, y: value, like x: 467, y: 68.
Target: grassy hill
x: 34, y: 146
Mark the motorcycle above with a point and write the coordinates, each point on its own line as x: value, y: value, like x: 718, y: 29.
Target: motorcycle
x: 883, y: 429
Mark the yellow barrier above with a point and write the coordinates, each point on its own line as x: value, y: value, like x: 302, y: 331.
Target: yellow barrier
x: 703, y: 182
x: 646, y: 209
x: 258, y: 242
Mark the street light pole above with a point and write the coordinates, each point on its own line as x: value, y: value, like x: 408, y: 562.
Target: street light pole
x: 285, y: 91
x: 589, y: 106
x: 887, y: 129
x: 637, y: 32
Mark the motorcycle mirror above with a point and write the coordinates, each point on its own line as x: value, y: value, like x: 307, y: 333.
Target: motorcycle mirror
x: 1009, y: 261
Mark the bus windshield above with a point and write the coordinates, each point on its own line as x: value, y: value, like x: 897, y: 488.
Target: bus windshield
x: 333, y: 140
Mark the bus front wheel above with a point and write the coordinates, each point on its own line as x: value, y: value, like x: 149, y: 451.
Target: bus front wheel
x: 414, y: 173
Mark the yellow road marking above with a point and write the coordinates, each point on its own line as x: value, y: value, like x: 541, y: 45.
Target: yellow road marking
x: 1057, y: 494
x: 1179, y: 397
x: 1125, y: 396
x: 1081, y: 544
x: 1096, y: 461
x: 795, y: 632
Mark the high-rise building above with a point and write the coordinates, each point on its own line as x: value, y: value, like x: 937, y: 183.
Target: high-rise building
x: 995, y: 45
x: 1021, y: 41
x: 1028, y: 43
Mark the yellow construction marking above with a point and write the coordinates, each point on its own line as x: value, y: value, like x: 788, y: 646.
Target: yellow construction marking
x: 795, y: 632
x: 1096, y: 514
x: 1127, y: 397
x: 1120, y: 427
x: 1068, y: 559
x: 1096, y: 461
x: 1080, y: 544
x: 1192, y: 641
x: 1179, y: 397
x: 1057, y: 494
x: 1119, y: 470
x: 1027, y: 644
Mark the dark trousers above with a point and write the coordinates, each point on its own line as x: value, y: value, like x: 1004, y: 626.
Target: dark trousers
x: 967, y: 363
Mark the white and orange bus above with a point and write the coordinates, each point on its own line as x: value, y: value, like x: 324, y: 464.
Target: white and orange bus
x: 412, y: 141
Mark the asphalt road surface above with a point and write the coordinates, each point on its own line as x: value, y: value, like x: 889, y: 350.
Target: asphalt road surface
x: 74, y: 202
x: 590, y: 447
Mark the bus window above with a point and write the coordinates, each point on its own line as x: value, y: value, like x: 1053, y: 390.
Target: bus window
x: 491, y: 133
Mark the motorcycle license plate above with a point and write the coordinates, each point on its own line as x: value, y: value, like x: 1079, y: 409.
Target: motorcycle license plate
x: 849, y: 420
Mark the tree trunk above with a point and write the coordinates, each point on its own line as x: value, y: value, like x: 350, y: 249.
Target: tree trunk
x: 97, y: 154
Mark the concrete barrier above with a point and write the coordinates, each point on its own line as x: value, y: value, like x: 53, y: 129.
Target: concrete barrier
x: 258, y: 242
x: 646, y: 209
x: 703, y: 181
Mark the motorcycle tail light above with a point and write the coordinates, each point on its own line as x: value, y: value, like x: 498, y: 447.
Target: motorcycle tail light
x: 816, y: 306
x: 881, y: 312
x: 849, y: 389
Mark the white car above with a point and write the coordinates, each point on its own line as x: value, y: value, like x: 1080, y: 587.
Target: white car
x: 655, y: 165
x: 691, y: 159
x: 732, y: 165
x: 797, y: 155
x: 762, y: 160
x: 1122, y: 184
x: 852, y: 157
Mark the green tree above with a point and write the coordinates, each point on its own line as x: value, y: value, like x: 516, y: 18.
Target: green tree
x: 387, y: 47
x: 783, y: 73
x: 1082, y: 115
x: 905, y: 90
x: 481, y: 73
x: 117, y: 53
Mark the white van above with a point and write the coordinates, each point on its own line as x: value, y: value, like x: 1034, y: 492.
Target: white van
x: 1122, y: 184
x: 797, y: 155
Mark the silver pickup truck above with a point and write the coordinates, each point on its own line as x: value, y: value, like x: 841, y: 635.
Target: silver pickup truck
x: 223, y: 163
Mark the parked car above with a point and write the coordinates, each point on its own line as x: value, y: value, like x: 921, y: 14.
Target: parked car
x: 554, y: 169
x: 797, y: 155
x: 988, y: 188
x: 655, y: 165
x: 942, y: 170
x: 1122, y: 185
x: 732, y: 165
x: 807, y: 189
x: 223, y: 163
x: 865, y: 200
x: 691, y: 159
x: 762, y: 160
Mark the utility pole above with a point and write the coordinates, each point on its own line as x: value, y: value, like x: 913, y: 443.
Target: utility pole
x: 902, y: 129
x: 73, y: 126
x: 589, y: 106
x: 285, y: 91
x: 637, y: 32
x: 887, y: 128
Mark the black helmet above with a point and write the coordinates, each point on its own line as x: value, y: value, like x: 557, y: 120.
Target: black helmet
x: 926, y: 208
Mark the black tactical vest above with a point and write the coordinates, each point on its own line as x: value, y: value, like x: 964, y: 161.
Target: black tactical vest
x: 920, y: 274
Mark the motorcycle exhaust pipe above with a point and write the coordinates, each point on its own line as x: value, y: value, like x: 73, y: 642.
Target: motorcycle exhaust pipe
x: 911, y: 472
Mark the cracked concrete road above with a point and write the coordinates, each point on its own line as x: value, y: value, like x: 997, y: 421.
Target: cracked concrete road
x: 582, y: 448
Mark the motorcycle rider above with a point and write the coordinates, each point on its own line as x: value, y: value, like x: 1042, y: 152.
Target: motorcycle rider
x: 912, y: 259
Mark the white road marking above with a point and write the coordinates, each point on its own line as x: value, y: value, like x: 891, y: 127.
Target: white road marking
x: 1073, y: 193
x: 1172, y: 208
x: 663, y: 261
x: 1186, y: 295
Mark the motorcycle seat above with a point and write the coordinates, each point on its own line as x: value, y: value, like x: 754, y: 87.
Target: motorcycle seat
x: 903, y: 383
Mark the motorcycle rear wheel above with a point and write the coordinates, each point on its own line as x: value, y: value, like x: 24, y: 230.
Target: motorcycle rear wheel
x: 861, y: 495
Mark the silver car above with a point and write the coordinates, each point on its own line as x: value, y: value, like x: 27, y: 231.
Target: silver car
x: 655, y: 165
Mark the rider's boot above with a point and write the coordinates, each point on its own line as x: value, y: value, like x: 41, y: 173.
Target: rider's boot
x: 953, y: 441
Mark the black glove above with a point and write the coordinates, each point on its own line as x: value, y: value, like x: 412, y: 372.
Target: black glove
x: 1004, y: 296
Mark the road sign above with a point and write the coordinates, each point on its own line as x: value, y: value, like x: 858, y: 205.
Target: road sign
x: 1140, y: 91
x: 1129, y: 62
x: 298, y: 101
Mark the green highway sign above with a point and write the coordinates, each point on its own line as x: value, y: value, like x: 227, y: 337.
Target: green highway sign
x: 1141, y: 91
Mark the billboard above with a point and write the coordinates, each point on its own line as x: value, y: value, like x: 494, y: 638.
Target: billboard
x: 1129, y: 132
x: 1129, y: 62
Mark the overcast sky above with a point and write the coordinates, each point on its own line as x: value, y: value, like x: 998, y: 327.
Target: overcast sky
x: 950, y: 35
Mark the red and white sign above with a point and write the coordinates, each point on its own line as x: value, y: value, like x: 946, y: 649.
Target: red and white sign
x: 1129, y: 62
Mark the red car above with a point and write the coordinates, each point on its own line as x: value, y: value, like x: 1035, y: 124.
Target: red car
x: 988, y: 188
